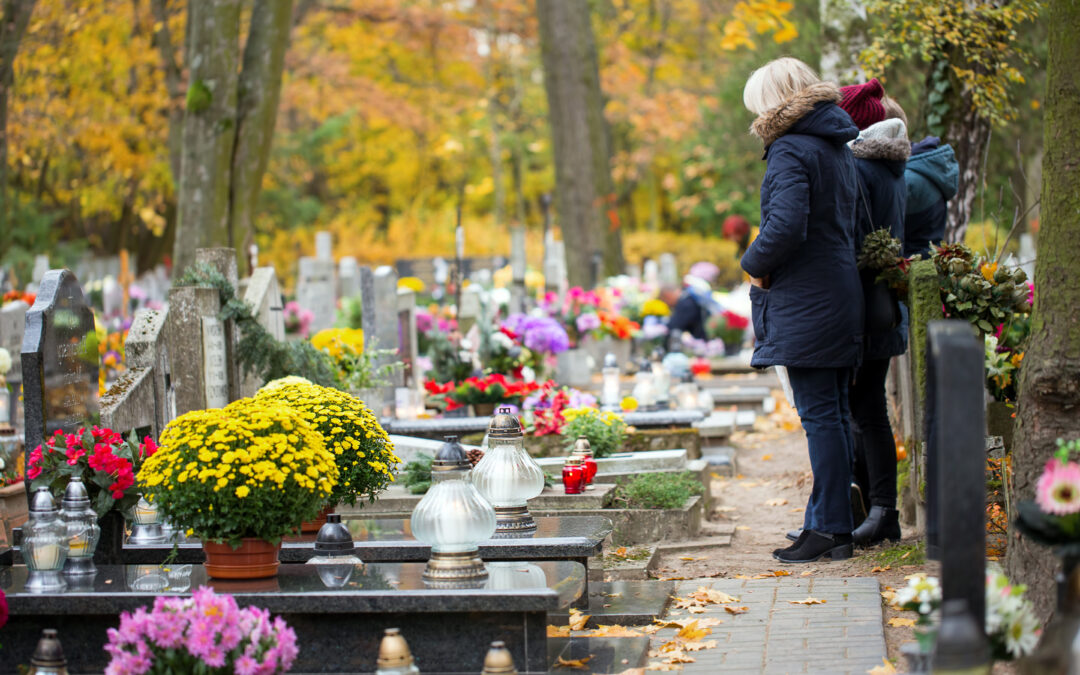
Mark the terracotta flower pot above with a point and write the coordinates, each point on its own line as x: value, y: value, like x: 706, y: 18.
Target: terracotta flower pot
x: 255, y: 559
x: 309, y: 526
x: 484, y: 409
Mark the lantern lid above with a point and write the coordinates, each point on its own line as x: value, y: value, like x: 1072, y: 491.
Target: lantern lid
x: 334, y: 539
x: 451, y: 457
x: 582, y: 445
x: 393, y: 650
x: 75, y: 494
x: 49, y: 653
x: 498, y: 660
x: 505, y: 425
x: 42, y: 501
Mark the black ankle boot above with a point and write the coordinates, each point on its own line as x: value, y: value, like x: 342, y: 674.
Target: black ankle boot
x: 880, y: 524
x: 799, y: 537
x: 793, y: 535
x: 815, y: 546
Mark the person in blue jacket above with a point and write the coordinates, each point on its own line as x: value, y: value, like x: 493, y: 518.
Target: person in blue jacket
x: 933, y: 177
x: 881, y: 153
x: 806, y: 297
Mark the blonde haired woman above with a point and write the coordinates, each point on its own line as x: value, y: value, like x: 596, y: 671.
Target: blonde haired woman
x: 807, y: 300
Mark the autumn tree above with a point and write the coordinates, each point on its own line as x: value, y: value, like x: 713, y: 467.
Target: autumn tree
x: 584, y: 194
x: 972, y: 53
x: 12, y: 27
x: 1050, y: 379
x: 231, y: 106
x: 843, y: 33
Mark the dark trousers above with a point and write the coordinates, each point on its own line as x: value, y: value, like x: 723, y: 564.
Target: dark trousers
x: 875, y: 449
x: 821, y: 397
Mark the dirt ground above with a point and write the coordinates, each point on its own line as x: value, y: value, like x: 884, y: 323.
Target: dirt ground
x: 765, y: 499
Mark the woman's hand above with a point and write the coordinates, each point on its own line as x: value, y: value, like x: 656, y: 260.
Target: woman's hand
x: 762, y: 283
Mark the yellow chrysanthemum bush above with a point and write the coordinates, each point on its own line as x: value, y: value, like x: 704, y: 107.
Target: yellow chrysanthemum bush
x: 362, y: 450
x: 250, y: 469
x: 605, y: 430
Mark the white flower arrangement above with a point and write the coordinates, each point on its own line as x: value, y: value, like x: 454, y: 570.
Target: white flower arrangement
x: 922, y: 594
x: 5, y: 362
x: 1011, y: 624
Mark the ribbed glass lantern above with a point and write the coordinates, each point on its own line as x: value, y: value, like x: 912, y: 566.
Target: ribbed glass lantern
x: 44, y: 544
x: 610, y: 394
x: 147, y: 528
x: 82, y: 526
x: 507, y: 476
x: 453, y: 518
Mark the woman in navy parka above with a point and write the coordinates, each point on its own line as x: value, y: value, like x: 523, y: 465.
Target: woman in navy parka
x: 806, y: 296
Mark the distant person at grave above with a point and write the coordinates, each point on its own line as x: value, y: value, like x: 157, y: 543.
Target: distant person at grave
x: 806, y: 297
x: 688, y: 313
x: 932, y: 177
x: 737, y: 229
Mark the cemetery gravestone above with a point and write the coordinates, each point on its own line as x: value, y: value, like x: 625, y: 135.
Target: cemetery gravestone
x: 215, y: 363
x: 348, y: 278
x: 408, y: 343
x: 188, y: 306
x: 224, y: 261
x: 324, y: 246
x: 669, y: 269
x: 315, y: 291
x: 12, y: 327
x: 264, y: 297
x: 59, y: 360
x: 518, y: 269
x: 142, y: 397
x: 650, y: 273
x: 41, y: 268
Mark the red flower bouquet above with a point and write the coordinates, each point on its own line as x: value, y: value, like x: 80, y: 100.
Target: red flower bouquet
x: 106, y: 462
x: 728, y: 326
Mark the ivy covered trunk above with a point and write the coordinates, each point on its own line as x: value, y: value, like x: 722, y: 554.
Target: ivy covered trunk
x: 1049, y: 399
x: 843, y: 33
x: 584, y: 191
x: 968, y: 133
x: 12, y: 27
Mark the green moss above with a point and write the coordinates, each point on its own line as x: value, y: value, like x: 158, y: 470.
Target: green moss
x: 902, y: 554
x: 924, y: 301
x: 656, y: 491
x: 903, y: 474
x: 198, y: 97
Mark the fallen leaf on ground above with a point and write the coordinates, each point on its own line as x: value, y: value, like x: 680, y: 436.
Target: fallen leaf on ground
x: 712, y: 596
x: 683, y: 623
x: 742, y: 527
x: 904, y: 557
x: 806, y: 573
x: 689, y: 558
x: 724, y: 509
x: 614, y: 631
x: 678, y: 657
x: 776, y: 501
x: 664, y: 667
x: 612, y: 595
x: 881, y: 569
x: 885, y: 668
x: 773, y: 573
x: 578, y: 620
x: 620, y: 552
x: 736, y: 610
x: 696, y: 610
x: 900, y: 622
x: 766, y: 458
x: 698, y: 646
x: 558, y: 631
x: 573, y: 663
x: 748, y: 484
x: 691, y: 631
x: 888, y: 594
x: 671, y: 578
x: 741, y: 576
x: 808, y: 601
x: 633, y: 671
x: 797, y: 509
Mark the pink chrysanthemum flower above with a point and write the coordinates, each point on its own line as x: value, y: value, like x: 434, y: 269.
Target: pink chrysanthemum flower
x: 1058, y: 490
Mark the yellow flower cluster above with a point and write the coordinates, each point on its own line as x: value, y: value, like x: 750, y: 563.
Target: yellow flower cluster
x: 336, y: 341
x: 217, y: 469
x: 361, y: 447
x: 414, y: 284
x: 607, y: 417
x: 655, y: 307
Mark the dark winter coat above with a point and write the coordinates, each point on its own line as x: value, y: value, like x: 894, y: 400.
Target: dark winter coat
x: 932, y: 176
x: 882, y: 197
x: 687, y: 316
x: 812, y: 314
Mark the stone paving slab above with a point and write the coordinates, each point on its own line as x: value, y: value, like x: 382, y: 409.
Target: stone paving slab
x: 844, y: 635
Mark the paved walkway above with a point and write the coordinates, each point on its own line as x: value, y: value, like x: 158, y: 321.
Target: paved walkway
x: 843, y: 635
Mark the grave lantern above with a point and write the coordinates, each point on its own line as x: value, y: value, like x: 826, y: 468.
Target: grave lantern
x: 498, y: 660
x: 453, y: 518
x: 609, y: 393
x: 507, y: 476
x: 584, y: 454
x: 335, y: 552
x: 148, y: 527
x: 644, y: 391
x: 394, y: 655
x: 44, y: 544
x: 661, y: 380
x: 48, y: 658
x: 83, y: 531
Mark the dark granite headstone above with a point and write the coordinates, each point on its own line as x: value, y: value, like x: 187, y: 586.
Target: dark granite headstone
x: 956, y: 459
x: 59, y: 360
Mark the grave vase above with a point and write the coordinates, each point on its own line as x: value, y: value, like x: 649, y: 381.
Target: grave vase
x: 110, y: 548
x: 254, y: 559
x: 483, y: 409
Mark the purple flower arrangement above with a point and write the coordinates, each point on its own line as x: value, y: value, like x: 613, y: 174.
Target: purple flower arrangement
x: 204, y: 633
x: 540, y: 334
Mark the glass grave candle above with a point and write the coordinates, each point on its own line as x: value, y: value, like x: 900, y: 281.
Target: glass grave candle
x: 44, y: 544
x: 83, y: 531
x: 573, y: 477
x: 507, y: 476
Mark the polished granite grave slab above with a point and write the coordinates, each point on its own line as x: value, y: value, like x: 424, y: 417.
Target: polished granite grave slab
x: 465, y: 425
x: 338, y: 614
x: 391, y: 540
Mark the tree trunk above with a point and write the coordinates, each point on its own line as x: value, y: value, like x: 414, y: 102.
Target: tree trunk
x: 584, y: 193
x: 843, y: 33
x: 1050, y: 378
x: 12, y: 28
x: 174, y: 83
x: 209, y: 129
x: 968, y: 133
x: 259, y: 93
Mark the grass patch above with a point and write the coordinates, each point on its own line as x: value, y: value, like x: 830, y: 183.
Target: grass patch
x: 624, y: 555
x: 901, y: 554
x: 656, y: 491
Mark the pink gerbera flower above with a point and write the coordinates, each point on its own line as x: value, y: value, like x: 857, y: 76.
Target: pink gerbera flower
x: 1058, y: 490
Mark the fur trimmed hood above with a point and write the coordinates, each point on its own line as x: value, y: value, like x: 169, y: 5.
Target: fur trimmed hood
x: 777, y: 121
x: 885, y: 140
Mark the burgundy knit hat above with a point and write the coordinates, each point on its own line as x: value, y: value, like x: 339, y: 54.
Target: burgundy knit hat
x: 863, y: 103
